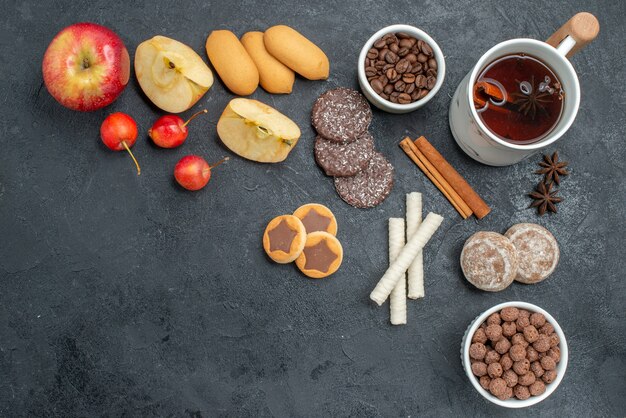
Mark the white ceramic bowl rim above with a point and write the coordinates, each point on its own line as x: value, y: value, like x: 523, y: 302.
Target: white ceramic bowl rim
x: 561, y: 367
x: 554, y: 135
x: 419, y: 34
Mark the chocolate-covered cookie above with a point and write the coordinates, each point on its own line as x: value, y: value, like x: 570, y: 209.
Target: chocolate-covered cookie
x: 369, y: 187
x: 341, y: 115
x: 284, y: 238
x: 322, y: 255
x: 316, y: 217
x: 342, y: 160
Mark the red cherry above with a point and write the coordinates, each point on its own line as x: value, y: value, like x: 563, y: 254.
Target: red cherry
x: 193, y: 172
x: 170, y: 131
x: 119, y: 132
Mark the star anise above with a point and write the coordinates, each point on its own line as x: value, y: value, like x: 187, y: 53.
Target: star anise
x: 533, y: 101
x: 544, y: 199
x: 552, y: 168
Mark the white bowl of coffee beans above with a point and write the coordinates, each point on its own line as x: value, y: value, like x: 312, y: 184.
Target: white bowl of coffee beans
x: 515, y: 354
x: 400, y: 69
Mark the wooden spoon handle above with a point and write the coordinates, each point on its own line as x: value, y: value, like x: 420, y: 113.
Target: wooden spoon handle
x: 582, y: 27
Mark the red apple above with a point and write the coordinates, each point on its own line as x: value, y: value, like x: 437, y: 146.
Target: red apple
x: 86, y: 67
x: 193, y: 172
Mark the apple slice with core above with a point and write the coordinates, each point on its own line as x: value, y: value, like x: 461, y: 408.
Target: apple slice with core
x: 171, y: 74
x: 256, y: 131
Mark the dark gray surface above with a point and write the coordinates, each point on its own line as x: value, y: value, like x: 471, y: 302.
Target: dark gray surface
x: 125, y: 295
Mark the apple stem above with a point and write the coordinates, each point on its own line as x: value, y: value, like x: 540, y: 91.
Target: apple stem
x: 219, y: 162
x: 194, y: 116
x: 132, y: 156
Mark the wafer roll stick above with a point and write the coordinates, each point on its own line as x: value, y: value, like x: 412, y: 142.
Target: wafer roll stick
x: 397, y: 299
x: 400, y: 265
x: 413, y: 221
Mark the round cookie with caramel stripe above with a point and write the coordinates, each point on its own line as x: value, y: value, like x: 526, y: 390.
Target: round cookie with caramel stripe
x: 322, y: 255
x: 537, y: 252
x: 316, y: 217
x: 284, y: 238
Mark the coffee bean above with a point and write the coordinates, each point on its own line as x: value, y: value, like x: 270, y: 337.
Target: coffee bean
x: 420, y: 81
x: 422, y: 58
x: 407, y: 43
x: 394, y: 47
x: 391, y: 57
x: 396, y: 78
x: 423, y: 94
x: 391, y: 73
x: 380, y: 44
x: 403, y: 35
x: 415, y: 95
x: 388, y: 66
x: 404, y: 98
x: 403, y: 52
x: 425, y: 66
x: 377, y: 86
x: 432, y: 63
x: 370, y: 71
x: 384, y: 96
x: 431, y: 73
x: 372, y: 53
x: 388, y: 89
x: 412, y: 58
x: 367, y: 62
x: 383, y: 53
x: 430, y: 82
x: 383, y: 79
x: 425, y: 48
x: 391, y: 39
x: 417, y: 68
x: 408, y: 78
x: 410, y: 88
x: 399, y: 85
x: 403, y: 66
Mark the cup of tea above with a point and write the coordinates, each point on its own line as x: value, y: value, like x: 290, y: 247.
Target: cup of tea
x: 521, y: 96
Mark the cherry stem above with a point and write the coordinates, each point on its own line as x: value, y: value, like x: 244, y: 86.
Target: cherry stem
x: 219, y: 162
x: 132, y: 156
x: 194, y: 116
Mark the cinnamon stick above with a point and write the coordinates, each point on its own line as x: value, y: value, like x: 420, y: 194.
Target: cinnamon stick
x: 458, y: 183
x: 435, y: 177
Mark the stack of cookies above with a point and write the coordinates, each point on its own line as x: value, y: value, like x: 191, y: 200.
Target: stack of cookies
x: 345, y: 150
x: 308, y: 237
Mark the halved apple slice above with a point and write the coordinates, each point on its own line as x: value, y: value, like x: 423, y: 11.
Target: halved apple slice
x: 257, y: 131
x: 171, y: 74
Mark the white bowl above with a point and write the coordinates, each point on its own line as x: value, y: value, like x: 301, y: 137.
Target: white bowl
x: 386, y: 105
x: 513, y: 403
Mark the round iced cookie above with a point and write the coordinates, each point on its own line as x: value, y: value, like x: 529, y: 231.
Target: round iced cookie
x: 489, y: 261
x: 284, y: 238
x: 342, y: 160
x: 316, y: 217
x: 341, y: 115
x: 537, y: 252
x: 322, y: 255
x: 369, y: 187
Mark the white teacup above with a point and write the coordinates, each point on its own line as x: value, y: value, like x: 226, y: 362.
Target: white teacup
x: 468, y: 129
